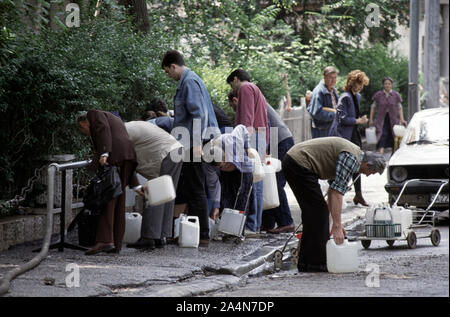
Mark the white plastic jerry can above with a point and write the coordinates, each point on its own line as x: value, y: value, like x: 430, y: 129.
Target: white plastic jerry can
x: 133, y: 221
x: 270, y: 189
x: 159, y: 190
x: 275, y: 163
x: 404, y: 218
x: 189, y: 232
x: 342, y: 258
x: 371, y: 135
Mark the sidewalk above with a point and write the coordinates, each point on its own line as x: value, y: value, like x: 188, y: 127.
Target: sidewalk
x: 172, y: 271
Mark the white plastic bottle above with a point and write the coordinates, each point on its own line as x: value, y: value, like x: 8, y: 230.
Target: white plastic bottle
x: 270, y: 189
x: 133, y: 221
x: 159, y: 190
x: 189, y: 232
x: 342, y: 258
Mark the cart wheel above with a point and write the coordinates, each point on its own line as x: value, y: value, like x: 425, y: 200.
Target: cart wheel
x: 435, y: 237
x: 293, y: 252
x: 412, y: 240
x: 390, y: 243
x: 278, y: 260
x: 366, y: 243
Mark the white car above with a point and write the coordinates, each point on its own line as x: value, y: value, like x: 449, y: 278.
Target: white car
x: 423, y: 154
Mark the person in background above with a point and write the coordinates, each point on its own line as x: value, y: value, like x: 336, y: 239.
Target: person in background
x: 348, y: 119
x: 286, y: 101
x: 212, y: 172
x: 388, y: 105
x: 154, y: 148
x: 323, y: 103
x: 251, y: 111
x: 222, y: 119
x: 330, y: 158
x: 112, y: 146
x: 308, y: 95
x: 192, y: 102
x: 157, y: 113
x: 236, y: 169
x: 280, y: 215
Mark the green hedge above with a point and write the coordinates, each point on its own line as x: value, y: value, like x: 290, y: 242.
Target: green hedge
x: 55, y: 75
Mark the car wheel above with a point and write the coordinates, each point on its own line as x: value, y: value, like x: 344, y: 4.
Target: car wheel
x: 412, y: 240
x: 366, y: 243
x: 435, y: 237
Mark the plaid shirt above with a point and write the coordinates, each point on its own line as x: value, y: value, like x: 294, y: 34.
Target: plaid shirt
x: 346, y: 166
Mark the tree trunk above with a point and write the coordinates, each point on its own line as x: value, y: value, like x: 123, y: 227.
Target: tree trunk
x: 138, y: 9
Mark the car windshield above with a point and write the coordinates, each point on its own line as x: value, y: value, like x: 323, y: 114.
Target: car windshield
x: 428, y: 128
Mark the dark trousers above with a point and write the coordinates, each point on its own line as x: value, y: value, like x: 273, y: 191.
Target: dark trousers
x: 315, y: 215
x: 236, y: 190
x: 356, y: 139
x: 387, y: 138
x: 191, y: 190
x: 280, y: 215
x: 111, y: 226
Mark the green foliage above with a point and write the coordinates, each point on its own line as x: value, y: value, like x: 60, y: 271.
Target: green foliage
x: 55, y: 75
x: 215, y: 80
x: 47, y: 77
x: 377, y: 62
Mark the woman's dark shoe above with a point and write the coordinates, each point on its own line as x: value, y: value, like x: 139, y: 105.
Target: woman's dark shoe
x: 358, y: 199
x: 100, y: 247
x: 160, y: 243
x: 143, y: 243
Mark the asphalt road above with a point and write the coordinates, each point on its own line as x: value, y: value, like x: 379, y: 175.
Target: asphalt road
x: 229, y: 269
x: 383, y: 272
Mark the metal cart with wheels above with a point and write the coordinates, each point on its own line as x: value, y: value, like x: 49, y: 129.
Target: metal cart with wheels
x: 422, y: 225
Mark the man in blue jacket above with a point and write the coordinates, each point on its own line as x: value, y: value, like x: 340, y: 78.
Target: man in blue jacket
x: 322, y: 107
x: 194, y: 114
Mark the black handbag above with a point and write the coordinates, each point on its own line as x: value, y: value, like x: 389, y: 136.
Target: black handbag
x: 104, y: 187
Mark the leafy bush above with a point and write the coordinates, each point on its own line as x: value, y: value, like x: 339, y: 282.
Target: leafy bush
x: 55, y: 75
x: 377, y: 62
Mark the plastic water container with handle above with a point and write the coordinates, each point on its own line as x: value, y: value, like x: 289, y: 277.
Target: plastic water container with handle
x: 371, y: 135
x: 133, y: 221
x: 258, y: 170
x: 159, y: 190
x: 189, y: 232
x: 399, y: 130
x: 270, y: 189
x: 342, y: 258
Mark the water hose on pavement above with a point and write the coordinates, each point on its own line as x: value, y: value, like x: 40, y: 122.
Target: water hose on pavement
x: 12, y: 274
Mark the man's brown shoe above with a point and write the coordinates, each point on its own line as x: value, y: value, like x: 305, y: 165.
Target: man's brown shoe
x: 203, y: 243
x: 283, y: 229
x: 100, y: 247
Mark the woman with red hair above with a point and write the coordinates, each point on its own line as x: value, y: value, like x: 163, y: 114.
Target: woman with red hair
x: 348, y: 118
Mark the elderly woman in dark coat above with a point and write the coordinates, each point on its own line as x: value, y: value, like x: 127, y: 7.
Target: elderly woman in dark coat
x: 348, y: 118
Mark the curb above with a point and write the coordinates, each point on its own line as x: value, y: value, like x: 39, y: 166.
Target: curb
x: 232, y: 274
x: 200, y: 287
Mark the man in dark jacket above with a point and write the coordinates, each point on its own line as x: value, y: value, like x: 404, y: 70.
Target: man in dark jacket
x: 112, y: 146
